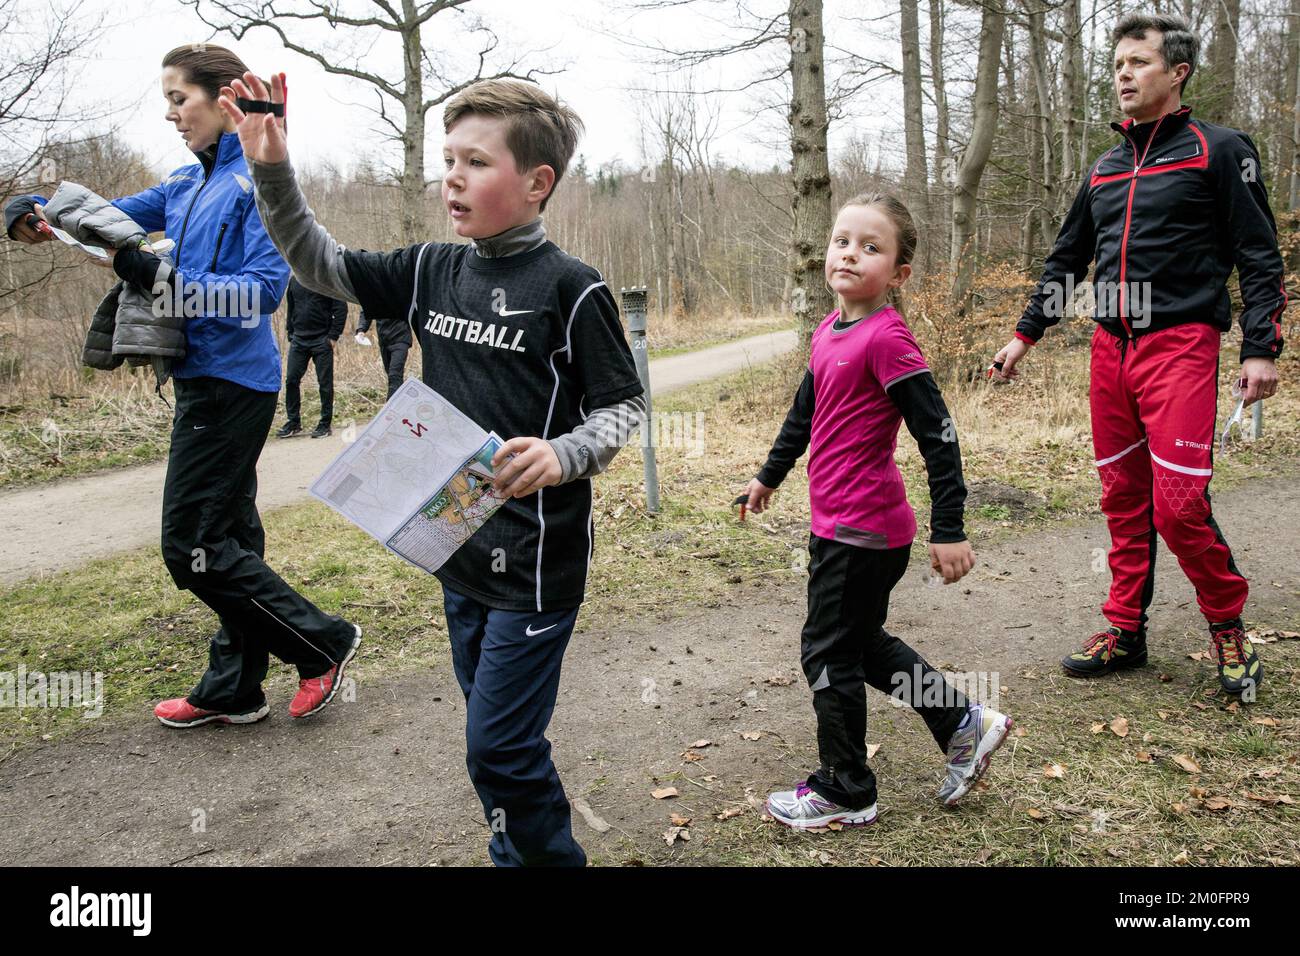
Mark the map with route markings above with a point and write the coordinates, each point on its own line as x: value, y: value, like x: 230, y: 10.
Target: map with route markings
x: 418, y: 478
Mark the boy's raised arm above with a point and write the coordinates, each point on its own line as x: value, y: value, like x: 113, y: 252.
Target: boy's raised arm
x: 315, y: 256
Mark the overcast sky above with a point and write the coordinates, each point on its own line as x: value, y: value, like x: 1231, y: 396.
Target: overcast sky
x: 577, y: 37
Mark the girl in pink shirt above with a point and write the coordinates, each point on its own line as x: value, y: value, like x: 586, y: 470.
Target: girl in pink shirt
x: 866, y: 375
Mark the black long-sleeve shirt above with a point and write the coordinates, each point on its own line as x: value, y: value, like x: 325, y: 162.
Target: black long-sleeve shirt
x: 921, y: 404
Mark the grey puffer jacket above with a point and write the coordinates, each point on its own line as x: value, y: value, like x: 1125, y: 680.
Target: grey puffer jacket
x: 126, y: 325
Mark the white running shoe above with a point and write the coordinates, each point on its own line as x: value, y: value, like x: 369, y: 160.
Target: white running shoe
x: 803, y: 809
x: 981, y: 732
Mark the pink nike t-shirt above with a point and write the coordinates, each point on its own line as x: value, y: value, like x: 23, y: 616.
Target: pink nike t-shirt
x: 857, y: 493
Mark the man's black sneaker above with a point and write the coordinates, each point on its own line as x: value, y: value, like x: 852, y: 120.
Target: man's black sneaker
x: 288, y: 430
x: 1110, y: 650
x: 320, y: 431
x: 1239, y: 666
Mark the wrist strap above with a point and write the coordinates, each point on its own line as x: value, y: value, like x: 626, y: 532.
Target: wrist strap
x: 259, y: 106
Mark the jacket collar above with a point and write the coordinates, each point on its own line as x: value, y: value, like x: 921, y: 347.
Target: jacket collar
x: 220, y: 153
x: 1168, y: 124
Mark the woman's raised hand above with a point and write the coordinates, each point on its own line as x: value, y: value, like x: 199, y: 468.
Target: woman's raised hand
x: 261, y: 135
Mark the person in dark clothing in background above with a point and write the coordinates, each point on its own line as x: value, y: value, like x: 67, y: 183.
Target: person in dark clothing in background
x: 314, y: 324
x: 394, y: 342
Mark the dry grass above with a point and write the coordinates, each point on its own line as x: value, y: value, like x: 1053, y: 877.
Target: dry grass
x: 66, y: 423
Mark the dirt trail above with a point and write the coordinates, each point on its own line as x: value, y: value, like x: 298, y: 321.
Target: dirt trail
x: 59, y: 525
x: 382, y: 779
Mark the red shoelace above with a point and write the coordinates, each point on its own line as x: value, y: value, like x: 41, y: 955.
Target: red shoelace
x: 1108, y: 638
x: 1227, y: 646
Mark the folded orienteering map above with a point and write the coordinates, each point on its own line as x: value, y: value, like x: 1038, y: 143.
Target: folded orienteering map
x: 418, y: 478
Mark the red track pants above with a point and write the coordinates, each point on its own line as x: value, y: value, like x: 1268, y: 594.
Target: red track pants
x: 1153, y: 415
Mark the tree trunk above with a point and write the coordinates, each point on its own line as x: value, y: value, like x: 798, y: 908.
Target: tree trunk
x: 1222, y: 61
x: 916, y: 177
x: 1072, y: 107
x: 412, y: 218
x: 1293, y: 98
x: 944, y: 172
x: 810, y: 298
x: 1044, y: 170
x: 976, y: 155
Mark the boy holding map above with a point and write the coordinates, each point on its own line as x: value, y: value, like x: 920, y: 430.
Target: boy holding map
x: 526, y: 341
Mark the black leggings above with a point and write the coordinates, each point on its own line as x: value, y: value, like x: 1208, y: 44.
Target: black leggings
x: 845, y: 645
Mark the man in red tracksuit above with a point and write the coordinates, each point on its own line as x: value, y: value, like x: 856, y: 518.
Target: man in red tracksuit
x: 1166, y: 214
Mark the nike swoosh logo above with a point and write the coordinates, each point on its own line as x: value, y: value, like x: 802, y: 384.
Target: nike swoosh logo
x: 841, y: 363
x: 531, y: 633
x: 197, y: 427
x: 508, y: 312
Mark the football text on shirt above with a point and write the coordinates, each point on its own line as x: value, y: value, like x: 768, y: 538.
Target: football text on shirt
x: 473, y: 332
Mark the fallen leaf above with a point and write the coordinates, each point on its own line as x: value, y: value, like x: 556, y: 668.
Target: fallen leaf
x: 1215, y: 804
x: 690, y: 756
x: 1198, y: 656
x: 1055, y: 770
x: 1179, y: 808
x: 1162, y: 714
x: 1187, y: 763
x: 1166, y: 678
x: 750, y: 735
x: 1264, y: 721
x: 732, y: 812
x: 1271, y: 799
x: 779, y: 680
x: 1035, y: 813
x: 678, y: 820
x: 673, y: 834
x: 1199, y: 706
x: 1018, y: 731
x: 589, y: 815
x: 872, y: 750
x: 1143, y: 757
x: 701, y: 744
x: 1119, y: 726
x: 1181, y: 857
x: 663, y: 793
x: 1233, y: 707
x: 1197, y: 792
x: 835, y: 826
x: 1098, y: 728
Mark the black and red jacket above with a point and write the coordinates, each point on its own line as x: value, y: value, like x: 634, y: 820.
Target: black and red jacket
x: 1166, y: 214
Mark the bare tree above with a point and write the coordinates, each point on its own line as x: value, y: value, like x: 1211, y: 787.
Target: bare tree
x: 421, y: 67
x: 1292, y: 99
x: 1221, y: 60
x: 976, y: 155
x: 810, y: 170
x: 916, y: 177
x: 944, y: 167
